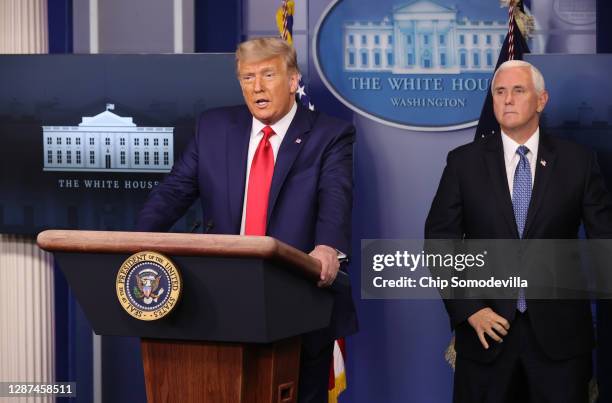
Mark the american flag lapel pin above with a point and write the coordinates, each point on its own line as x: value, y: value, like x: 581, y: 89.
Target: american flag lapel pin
x: 543, y: 163
x: 298, y: 141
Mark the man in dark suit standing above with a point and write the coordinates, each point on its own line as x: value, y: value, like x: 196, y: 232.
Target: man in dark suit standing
x: 274, y: 168
x: 520, y: 184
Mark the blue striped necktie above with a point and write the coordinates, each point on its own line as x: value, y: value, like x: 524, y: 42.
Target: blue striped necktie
x: 521, y: 195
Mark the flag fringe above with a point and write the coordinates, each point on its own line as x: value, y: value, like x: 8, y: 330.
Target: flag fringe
x: 339, y: 387
x: 525, y: 22
x: 284, y: 11
x: 450, y: 355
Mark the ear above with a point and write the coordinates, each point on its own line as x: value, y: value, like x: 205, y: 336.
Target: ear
x: 294, y: 81
x: 542, y: 100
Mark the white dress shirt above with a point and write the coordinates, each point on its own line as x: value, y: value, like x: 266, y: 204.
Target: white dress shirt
x: 512, y: 158
x: 280, y: 128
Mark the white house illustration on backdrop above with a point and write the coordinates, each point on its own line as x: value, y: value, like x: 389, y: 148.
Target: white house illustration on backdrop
x: 108, y: 142
x: 423, y: 37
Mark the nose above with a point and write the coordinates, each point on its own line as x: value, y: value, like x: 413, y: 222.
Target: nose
x: 257, y: 85
x: 508, y: 100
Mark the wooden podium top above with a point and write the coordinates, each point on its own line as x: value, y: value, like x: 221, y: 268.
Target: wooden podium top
x: 263, y: 247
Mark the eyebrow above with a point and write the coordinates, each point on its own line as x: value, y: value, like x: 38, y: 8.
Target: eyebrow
x: 262, y: 71
x: 501, y: 87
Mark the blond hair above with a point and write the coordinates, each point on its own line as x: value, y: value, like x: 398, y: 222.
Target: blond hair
x: 259, y: 49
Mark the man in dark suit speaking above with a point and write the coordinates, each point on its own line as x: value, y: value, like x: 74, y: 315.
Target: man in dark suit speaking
x: 520, y: 184
x: 271, y: 167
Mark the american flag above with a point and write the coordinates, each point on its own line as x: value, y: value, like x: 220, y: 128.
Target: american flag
x: 284, y: 21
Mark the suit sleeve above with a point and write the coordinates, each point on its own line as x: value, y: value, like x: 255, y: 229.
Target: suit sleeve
x: 445, y: 218
x: 171, y: 198
x: 335, y: 192
x: 445, y: 221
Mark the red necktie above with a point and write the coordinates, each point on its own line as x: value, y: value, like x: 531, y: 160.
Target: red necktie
x: 260, y: 178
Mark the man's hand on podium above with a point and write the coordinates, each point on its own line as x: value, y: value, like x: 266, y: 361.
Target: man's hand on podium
x: 330, y: 265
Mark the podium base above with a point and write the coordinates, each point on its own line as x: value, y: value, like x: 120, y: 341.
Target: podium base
x: 185, y: 371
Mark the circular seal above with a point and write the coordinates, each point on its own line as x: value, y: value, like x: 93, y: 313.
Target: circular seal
x: 576, y: 12
x: 148, y: 285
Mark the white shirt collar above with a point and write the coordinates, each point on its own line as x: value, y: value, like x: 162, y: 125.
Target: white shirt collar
x: 510, y: 146
x: 280, y: 127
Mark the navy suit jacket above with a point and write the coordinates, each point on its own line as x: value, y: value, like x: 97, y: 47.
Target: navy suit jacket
x: 310, y: 197
x: 473, y: 201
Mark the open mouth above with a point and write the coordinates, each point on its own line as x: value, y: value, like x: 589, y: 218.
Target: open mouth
x: 262, y: 103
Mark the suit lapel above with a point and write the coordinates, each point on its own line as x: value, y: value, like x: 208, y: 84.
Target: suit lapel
x: 287, y: 154
x: 237, y: 136
x: 544, y: 169
x: 494, y: 159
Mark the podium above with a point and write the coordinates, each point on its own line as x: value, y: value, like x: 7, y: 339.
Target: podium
x: 234, y: 335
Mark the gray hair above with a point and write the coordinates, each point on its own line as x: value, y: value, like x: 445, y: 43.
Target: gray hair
x: 536, y: 75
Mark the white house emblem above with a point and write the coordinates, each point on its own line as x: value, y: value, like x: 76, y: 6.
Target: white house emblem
x: 108, y: 142
x: 423, y: 64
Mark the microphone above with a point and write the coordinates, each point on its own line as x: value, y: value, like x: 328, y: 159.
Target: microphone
x: 195, y: 226
x: 210, y: 224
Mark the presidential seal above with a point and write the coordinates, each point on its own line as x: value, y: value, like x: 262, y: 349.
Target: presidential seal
x: 148, y: 285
